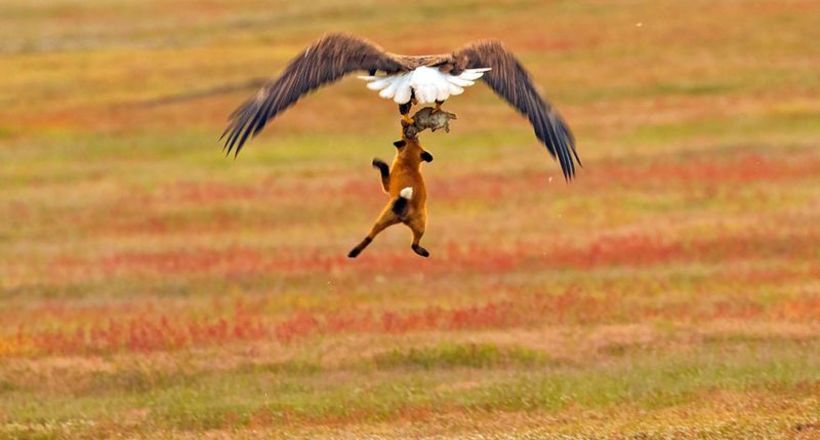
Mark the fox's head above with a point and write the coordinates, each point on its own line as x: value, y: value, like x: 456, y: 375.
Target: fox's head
x: 411, y: 151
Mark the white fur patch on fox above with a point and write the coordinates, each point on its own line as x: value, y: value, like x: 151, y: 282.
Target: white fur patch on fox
x: 406, y: 193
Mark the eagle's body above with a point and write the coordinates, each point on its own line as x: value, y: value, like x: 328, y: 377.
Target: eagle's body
x: 407, y: 79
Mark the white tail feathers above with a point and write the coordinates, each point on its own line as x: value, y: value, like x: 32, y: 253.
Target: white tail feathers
x: 429, y: 84
x: 406, y: 193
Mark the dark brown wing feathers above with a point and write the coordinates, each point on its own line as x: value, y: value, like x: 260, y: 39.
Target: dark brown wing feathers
x: 510, y: 80
x: 325, y: 61
x: 333, y: 56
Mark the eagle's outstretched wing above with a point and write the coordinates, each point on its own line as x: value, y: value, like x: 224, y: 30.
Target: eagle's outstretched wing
x: 325, y: 61
x: 510, y: 80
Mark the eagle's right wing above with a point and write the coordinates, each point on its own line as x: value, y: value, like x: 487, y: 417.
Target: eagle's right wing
x: 325, y: 61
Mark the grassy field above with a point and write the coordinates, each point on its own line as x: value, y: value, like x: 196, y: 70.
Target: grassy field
x: 152, y: 288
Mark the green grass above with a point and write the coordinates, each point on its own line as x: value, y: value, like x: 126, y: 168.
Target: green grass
x: 473, y: 378
x: 450, y: 356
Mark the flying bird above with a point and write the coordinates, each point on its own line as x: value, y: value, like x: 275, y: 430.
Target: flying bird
x: 407, y: 80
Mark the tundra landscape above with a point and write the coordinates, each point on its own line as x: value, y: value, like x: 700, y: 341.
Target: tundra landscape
x: 151, y: 287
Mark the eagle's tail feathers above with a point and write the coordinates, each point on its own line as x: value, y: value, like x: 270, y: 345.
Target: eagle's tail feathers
x: 403, y: 90
x: 473, y: 74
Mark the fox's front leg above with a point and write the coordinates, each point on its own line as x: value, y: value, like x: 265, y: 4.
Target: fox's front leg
x: 384, y: 170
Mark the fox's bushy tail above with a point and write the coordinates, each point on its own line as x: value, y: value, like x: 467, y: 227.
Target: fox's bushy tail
x: 402, y: 202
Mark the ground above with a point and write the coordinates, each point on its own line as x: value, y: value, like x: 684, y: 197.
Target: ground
x: 152, y: 288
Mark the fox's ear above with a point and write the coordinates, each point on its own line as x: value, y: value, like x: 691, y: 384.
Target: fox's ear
x: 400, y: 143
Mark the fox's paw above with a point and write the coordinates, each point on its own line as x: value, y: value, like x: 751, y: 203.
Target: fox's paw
x: 359, y: 248
x: 380, y: 165
x: 421, y: 251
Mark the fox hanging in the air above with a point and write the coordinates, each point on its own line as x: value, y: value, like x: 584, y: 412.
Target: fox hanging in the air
x: 408, y: 195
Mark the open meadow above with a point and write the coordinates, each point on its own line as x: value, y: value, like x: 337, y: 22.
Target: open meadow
x: 150, y: 287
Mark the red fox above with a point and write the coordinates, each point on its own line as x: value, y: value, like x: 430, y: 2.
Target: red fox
x: 408, y: 194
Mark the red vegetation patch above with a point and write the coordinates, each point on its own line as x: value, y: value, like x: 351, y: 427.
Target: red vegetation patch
x: 628, y: 250
x: 183, y: 261
x: 800, y: 309
x: 705, y: 170
x: 149, y: 333
x: 736, y: 169
x: 117, y: 330
x: 209, y: 192
x: 647, y: 250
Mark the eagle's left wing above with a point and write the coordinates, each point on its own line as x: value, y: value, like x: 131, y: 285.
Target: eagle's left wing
x: 510, y: 80
x: 325, y: 61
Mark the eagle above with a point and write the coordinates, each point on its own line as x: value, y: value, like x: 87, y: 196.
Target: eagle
x: 407, y: 80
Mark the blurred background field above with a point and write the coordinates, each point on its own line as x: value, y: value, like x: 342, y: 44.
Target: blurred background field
x: 151, y: 287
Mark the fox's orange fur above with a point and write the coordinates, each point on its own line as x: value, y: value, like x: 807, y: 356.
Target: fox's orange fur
x: 404, y: 173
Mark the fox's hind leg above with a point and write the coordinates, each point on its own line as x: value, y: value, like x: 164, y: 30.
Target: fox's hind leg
x: 387, y: 218
x: 417, y: 225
